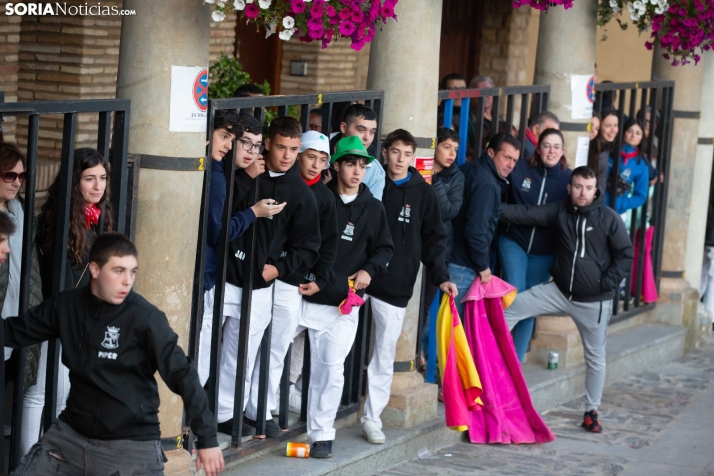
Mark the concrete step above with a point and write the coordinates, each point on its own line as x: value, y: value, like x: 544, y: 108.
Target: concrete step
x: 629, y: 351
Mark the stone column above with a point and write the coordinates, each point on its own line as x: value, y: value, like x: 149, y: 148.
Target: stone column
x: 555, y: 65
x: 410, y: 103
x: 678, y: 299
x: 169, y: 200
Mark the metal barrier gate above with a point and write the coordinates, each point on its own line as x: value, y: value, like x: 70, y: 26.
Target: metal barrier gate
x: 354, y: 363
x: 112, y: 136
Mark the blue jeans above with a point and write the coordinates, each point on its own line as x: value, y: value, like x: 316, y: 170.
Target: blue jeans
x: 523, y: 271
x: 463, y: 278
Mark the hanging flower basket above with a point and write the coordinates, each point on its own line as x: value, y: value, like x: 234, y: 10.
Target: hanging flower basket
x: 313, y: 20
x: 683, y: 28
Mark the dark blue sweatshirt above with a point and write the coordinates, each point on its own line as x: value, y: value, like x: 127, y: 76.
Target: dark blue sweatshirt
x: 535, y: 186
x: 238, y: 224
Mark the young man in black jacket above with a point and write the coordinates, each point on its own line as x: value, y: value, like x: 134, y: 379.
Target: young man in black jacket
x: 113, y: 342
x: 298, y: 221
x: 418, y: 234
x: 593, y: 255
x: 475, y: 225
x: 364, y: 249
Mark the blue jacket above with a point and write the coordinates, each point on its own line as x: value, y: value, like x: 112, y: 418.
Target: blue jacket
x: 475, y: 225
x: 535, y: 186
x: 238, y: 225
x: 636, y: 173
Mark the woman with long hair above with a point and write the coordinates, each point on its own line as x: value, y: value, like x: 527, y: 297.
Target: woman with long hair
x: 90, y: 193
x: 526, y: 252
x: 12, y: 176
x: 633, y: 171
x: 600, y: 148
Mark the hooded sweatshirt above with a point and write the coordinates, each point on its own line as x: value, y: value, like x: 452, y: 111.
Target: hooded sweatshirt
x: 449, y: 188
x: 363, y: 243
x: 475, y: 225
x: 418, y: 233
x: 298, y: 220
x: 322, y: 272
x: 633, y: 170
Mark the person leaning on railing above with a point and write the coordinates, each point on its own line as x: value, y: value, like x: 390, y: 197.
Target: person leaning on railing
x: 601, y: 147
x: 526, y: 252
x: 12, y: 171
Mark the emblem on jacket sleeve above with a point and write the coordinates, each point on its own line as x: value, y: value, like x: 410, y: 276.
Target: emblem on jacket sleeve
x: 111, y: 338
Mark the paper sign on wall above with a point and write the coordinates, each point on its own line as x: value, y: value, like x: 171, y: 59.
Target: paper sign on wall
x: 582, y: 88
x: 581, y: 153
x: 425, y: 166
x: 189, y: 99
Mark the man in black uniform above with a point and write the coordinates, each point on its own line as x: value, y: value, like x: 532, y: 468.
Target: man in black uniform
x: 113, y: 342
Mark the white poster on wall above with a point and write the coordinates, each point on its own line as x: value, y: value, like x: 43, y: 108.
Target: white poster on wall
x: 581, y: 153
x: 583, y: 96
x: 189, y: 99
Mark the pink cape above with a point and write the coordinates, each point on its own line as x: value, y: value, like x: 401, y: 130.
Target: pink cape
x: 507, y: 415
x: 649, y: 286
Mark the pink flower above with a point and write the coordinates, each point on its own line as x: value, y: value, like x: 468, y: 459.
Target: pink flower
x: 357, y: 16
x: 387, y: 12
x: 357, y: 45
x: 316, y: 34
x: 347, y: 28
x: 314, y: 24
x: 334, y: 20
x: 316, y: 10
x: 345, y: 14
x: 298, y: 6
x: 648, y: 45
x: 252, y: 10
x: 331, y: 12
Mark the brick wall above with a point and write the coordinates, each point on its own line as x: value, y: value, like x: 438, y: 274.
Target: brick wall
x: 9, y: 65
x: 335, y: 68
x: 223, y: 38
x: 504, y: 43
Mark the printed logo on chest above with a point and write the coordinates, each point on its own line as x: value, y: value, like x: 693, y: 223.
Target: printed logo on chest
x: 405, y: 214
x: 526, y: 185
x: 349, y: 232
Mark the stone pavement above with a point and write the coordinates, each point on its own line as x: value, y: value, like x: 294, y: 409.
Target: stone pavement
x: 659, y: 422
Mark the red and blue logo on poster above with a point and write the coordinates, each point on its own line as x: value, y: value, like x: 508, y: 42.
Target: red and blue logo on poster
x: 591, y: 89
x: 200, y: 90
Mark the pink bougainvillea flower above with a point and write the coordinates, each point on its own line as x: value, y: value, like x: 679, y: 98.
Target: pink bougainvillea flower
x: 347, y: 28
x: 252, y: 10
x: 298, y: 6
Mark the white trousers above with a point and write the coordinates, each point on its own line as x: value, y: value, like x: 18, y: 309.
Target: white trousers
x: 287, y: 304
x: 706, y: 285
x: 329, y: 346
x: 34, y: 401
x: 203, y: 366
x: 262, y: 301
x: 388, y: 321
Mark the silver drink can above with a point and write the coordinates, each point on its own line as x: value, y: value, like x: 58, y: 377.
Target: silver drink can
x: 552, y: 360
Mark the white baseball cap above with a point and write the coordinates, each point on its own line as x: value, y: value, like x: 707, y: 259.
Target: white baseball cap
x: 316, y: 141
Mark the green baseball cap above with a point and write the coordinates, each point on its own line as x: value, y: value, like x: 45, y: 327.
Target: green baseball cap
x: 350, y: 146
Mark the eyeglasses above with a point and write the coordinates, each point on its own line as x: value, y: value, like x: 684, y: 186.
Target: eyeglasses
x: 10, y: 177
x: 248, y: 145
x: 315, y: 127
x: 556, y: 148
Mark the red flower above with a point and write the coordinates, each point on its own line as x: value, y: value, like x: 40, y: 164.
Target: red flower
x: 252, y: 10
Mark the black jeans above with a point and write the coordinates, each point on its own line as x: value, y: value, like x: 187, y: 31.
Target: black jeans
x: 64, y: 452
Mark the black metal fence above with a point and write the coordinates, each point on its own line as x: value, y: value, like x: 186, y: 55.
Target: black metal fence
x: 355, y: 361
x: 113, y: 134
x: 651, y: 103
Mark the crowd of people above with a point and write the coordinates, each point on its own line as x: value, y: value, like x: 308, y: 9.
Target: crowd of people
x: 336, y: 229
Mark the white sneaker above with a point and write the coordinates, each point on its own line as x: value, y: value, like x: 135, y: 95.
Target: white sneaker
x: 295, y: 401
x: 373, y: 434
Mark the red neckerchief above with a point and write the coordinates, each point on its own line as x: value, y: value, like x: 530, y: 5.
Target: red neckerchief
x: 628, y: 155
x: 312, y: 182
x: 531, y: 137
x: 92, y: 215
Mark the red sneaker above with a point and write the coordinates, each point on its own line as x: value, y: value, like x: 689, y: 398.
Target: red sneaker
x: 591, y: 422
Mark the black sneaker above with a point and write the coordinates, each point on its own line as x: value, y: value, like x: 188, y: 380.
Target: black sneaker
x: 227, y: 428
x: 591, y: 422
x: 272, y: 429
x: 321, y: 449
